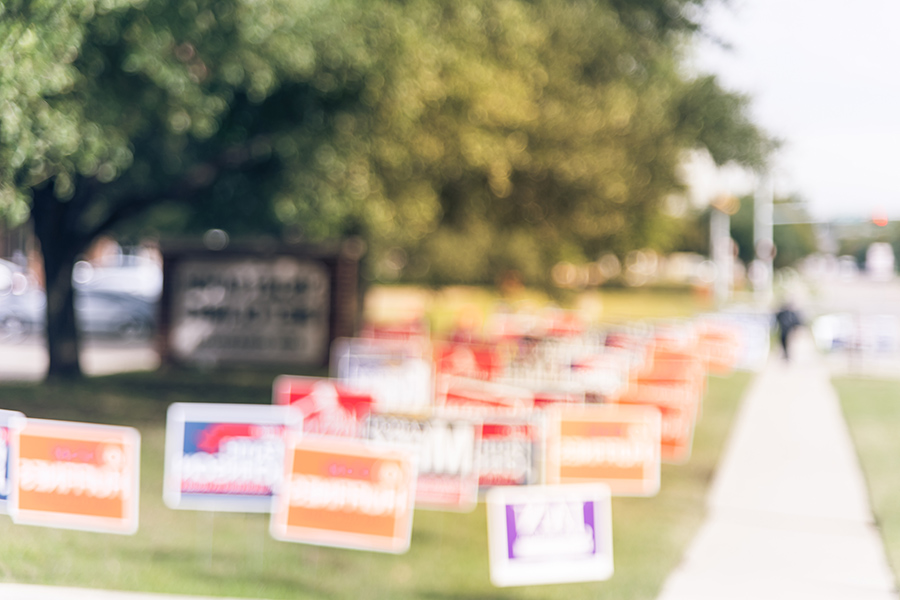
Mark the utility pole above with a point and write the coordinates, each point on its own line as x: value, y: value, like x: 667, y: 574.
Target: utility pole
x: 763, y: 240
x: 720, y: 245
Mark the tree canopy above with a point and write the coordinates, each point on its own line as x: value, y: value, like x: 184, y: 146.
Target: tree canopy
x: 459, y: 139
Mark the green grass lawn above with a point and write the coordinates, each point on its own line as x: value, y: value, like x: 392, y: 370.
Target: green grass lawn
x: 227, y: 554
x: 872, y: 410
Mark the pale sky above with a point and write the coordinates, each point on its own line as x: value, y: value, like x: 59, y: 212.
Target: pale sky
x: 825, y: 78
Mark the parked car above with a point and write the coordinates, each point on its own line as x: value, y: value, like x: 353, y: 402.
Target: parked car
x: 21, y: 314
x: 98, y: 313
x: 114, y: 314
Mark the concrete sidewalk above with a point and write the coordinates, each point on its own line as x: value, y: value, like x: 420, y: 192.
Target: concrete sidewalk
x: 789, y: 514
x: 16, y: 591
x: 27, y: 359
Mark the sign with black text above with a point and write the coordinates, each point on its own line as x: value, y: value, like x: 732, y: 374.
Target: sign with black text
x: 511, y: 451
x: 447, y: 451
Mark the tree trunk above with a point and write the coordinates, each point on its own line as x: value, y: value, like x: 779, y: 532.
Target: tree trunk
x: 61, y: 243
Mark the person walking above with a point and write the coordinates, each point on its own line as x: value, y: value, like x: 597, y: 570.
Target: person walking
x: 787, y: 320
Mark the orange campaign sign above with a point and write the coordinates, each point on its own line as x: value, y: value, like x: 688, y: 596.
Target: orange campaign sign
x: 347, y: 494
x: 612, y: 444
x: 677, y: 433
x: 76, y: 476
x: 719, y: 344
x: 675, y: 383
x: 679, y: 404
x: 675, y: 393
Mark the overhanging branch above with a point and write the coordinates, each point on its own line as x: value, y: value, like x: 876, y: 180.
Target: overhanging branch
x: 199, y: 177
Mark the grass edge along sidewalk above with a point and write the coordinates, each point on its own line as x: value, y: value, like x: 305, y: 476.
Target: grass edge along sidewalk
x: 219, y: 554
x: 871, y: 408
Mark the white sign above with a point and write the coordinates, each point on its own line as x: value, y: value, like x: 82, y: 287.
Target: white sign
x: 398, y: 373
x: 549, y: 534
x: 447, y: 452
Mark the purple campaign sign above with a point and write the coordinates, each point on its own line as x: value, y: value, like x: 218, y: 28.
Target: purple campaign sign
x: 549, y: 534
x: 536, y: 531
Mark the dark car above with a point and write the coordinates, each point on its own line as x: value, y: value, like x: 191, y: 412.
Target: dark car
x: 98, y: 314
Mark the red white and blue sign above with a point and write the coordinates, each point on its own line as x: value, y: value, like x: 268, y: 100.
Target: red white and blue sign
x: 328, y: 408
x: 549, y: 534
x: 9, y: 422
x: 225, y: 457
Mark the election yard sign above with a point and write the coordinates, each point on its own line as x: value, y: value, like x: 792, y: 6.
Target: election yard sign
x: 9, y: 422
x: 261, y: 303
x: 328, y: 408
x: 511, y: 452
x: 583, y: 366
x: 402, y: 330
x: 549, y: 534
x: 76, y: 476
x: 398, y: 373
x: 447, y: 451
x: 466, y: 396
x: 679, y: 405
x: 753, y: 335
x: 678, y: 426
x: 475, y: 361
x: 616, y: 445
x: 675, y: 383
x: 226, y: 457
x: 604, y: 374
x: 719, y: 345
x: 346, y: 493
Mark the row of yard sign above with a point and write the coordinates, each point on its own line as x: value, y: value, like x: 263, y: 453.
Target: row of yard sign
x: 544, y: 428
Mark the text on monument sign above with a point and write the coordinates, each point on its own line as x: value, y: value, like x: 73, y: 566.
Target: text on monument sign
x: 250, y: 309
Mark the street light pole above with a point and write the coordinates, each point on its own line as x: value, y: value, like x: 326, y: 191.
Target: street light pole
x: 720, y: 244
x: 763, y: 239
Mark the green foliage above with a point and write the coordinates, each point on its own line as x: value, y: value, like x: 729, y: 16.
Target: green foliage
x: 693, y: 232
x: 719, y: 121
x: 473, y: 137
x: 742, y: 230
x: 797, y: 237
x: 794, y: 235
